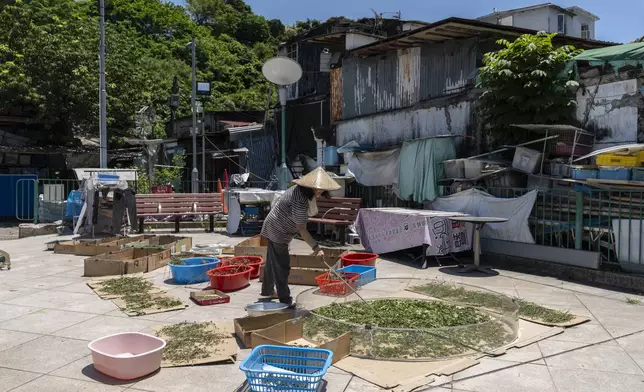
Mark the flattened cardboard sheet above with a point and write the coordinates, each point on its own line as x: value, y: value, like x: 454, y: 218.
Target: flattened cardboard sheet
x: 575, y: 321
x: 224, y: 351
x: 120, y: 302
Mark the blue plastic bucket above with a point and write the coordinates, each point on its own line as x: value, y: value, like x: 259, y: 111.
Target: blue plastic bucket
x: 331, y: 157
x: 193, y: 269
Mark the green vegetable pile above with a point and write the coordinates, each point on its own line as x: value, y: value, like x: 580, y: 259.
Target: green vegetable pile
x: 125, y: 285
x: 408, y: 328
x: 186, y: 342
x: 537, y: 312
x: 403, y: 313
x: 461, y: 295
x: 136, y: 292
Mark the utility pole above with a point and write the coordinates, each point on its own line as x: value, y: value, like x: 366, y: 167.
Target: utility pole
x: 195, y: 171
x: 203, y: 150
x: 102, y: 93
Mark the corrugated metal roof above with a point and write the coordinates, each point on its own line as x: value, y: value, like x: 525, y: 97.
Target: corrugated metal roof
x: 460, y: 28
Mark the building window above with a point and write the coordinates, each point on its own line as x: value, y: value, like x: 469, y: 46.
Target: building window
x: 585, y: 31
x: 561, y: 24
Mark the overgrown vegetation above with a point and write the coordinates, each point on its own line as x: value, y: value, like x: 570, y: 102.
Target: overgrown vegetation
x: 49, y: 60
x: 186, y: 342
x: 526, y: 82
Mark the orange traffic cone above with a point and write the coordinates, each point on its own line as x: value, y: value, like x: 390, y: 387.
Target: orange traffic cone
x: 223, y: 200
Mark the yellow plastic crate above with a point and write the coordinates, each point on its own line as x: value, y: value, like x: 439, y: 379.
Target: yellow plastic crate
x: 618, y: 160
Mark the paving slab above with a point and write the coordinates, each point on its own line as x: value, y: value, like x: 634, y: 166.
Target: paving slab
x: 83, y: 370
x: 45, y: 321
x: 100, y: 326
x: 10, y: 378
x: 61, y: 300
x: 585, y: 380
x: 59, y: 384
x: 490, y: 376
x: 595, y: 358
x: 10, y: 339
x: 14, y: 311
x: 44, y: 354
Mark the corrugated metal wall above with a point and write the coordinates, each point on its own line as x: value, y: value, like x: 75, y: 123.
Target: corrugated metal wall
x: 336, y: 94
x: 380, y: 83
x: 408, y: 77
x: 447, y: 68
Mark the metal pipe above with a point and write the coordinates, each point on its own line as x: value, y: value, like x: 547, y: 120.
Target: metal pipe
x: 193, y: 101
x: 102, y: 92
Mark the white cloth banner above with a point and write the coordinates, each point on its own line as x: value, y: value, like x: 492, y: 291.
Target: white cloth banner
x: 477, y: 203
x: 376, y: 168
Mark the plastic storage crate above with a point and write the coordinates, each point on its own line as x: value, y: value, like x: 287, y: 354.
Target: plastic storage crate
x: 527, y: 160
x: 283, y: 368
x: 331, y: 285
x: 580, y: 173
x: 615, y: 173
x: 637, y: 174
x: 617, y: 160
x: 367, y: 273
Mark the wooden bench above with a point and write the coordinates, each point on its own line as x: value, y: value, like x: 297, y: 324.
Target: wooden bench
x: 337, y: 211
x: 178, y: 205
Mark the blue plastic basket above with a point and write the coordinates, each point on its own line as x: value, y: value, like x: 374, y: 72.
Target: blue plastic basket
x: 283, y: 368
x: 615, y: 173
x: 367, y: 273
x: 193, y: 269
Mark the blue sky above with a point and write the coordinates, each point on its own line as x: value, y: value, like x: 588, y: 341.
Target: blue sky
x: 620, y: 20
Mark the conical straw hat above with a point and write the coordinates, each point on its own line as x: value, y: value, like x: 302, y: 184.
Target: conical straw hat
x: 318, y: 179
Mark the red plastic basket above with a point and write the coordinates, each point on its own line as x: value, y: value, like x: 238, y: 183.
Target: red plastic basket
x: 252, y: 261
x: 368, y: 259
x: 230, y: 278
x: 331, y: 285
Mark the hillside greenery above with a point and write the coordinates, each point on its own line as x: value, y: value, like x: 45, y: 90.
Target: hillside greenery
x: 49, y: 59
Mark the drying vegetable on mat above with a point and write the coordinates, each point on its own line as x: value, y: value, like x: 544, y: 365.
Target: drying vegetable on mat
x: 287, y: 218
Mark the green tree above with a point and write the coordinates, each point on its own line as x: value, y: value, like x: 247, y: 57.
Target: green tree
x: 302, y: 26
x: 526, y: 82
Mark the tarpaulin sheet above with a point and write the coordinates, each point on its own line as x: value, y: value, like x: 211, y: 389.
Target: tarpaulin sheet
x: 384, y: 230
x: 478, y: 203
x: 375, y: 168
x: 626, y: 52
x: 421, y: 166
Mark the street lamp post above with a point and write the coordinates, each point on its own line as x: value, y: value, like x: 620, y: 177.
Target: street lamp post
x: 195, y: 171
x: 102, y: 92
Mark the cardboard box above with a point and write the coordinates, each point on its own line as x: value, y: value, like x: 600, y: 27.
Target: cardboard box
x: 257, y: 246
x: 300, y: 276
x: 245, y: 326
x: 254, y: 246
x: 174, y: 243
x: 97, y: 247
x: 75, y: 246
x: 128, y: 261
x: 290, y: 333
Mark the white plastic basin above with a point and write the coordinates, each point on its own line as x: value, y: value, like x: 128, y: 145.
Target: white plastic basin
x: 127, y: 355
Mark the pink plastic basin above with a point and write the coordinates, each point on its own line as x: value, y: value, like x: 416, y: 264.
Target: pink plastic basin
x: 127, y: 355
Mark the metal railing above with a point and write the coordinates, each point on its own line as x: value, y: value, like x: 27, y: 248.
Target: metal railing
x: 606, y: 221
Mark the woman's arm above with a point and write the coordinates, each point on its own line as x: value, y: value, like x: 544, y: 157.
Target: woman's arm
x: 306, y: 236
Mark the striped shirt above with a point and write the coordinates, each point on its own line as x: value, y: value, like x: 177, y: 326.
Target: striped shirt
x: 290, y: 211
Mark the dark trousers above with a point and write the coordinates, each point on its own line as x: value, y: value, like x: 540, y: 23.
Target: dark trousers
x: 276, y: 271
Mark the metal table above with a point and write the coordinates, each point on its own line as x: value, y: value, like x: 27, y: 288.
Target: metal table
x: 479, y: 222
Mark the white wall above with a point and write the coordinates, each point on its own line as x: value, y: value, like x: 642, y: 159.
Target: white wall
x: 387, y: 129
x: 545, y: 19
x: 610, y: 114
x: 536, y: 19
